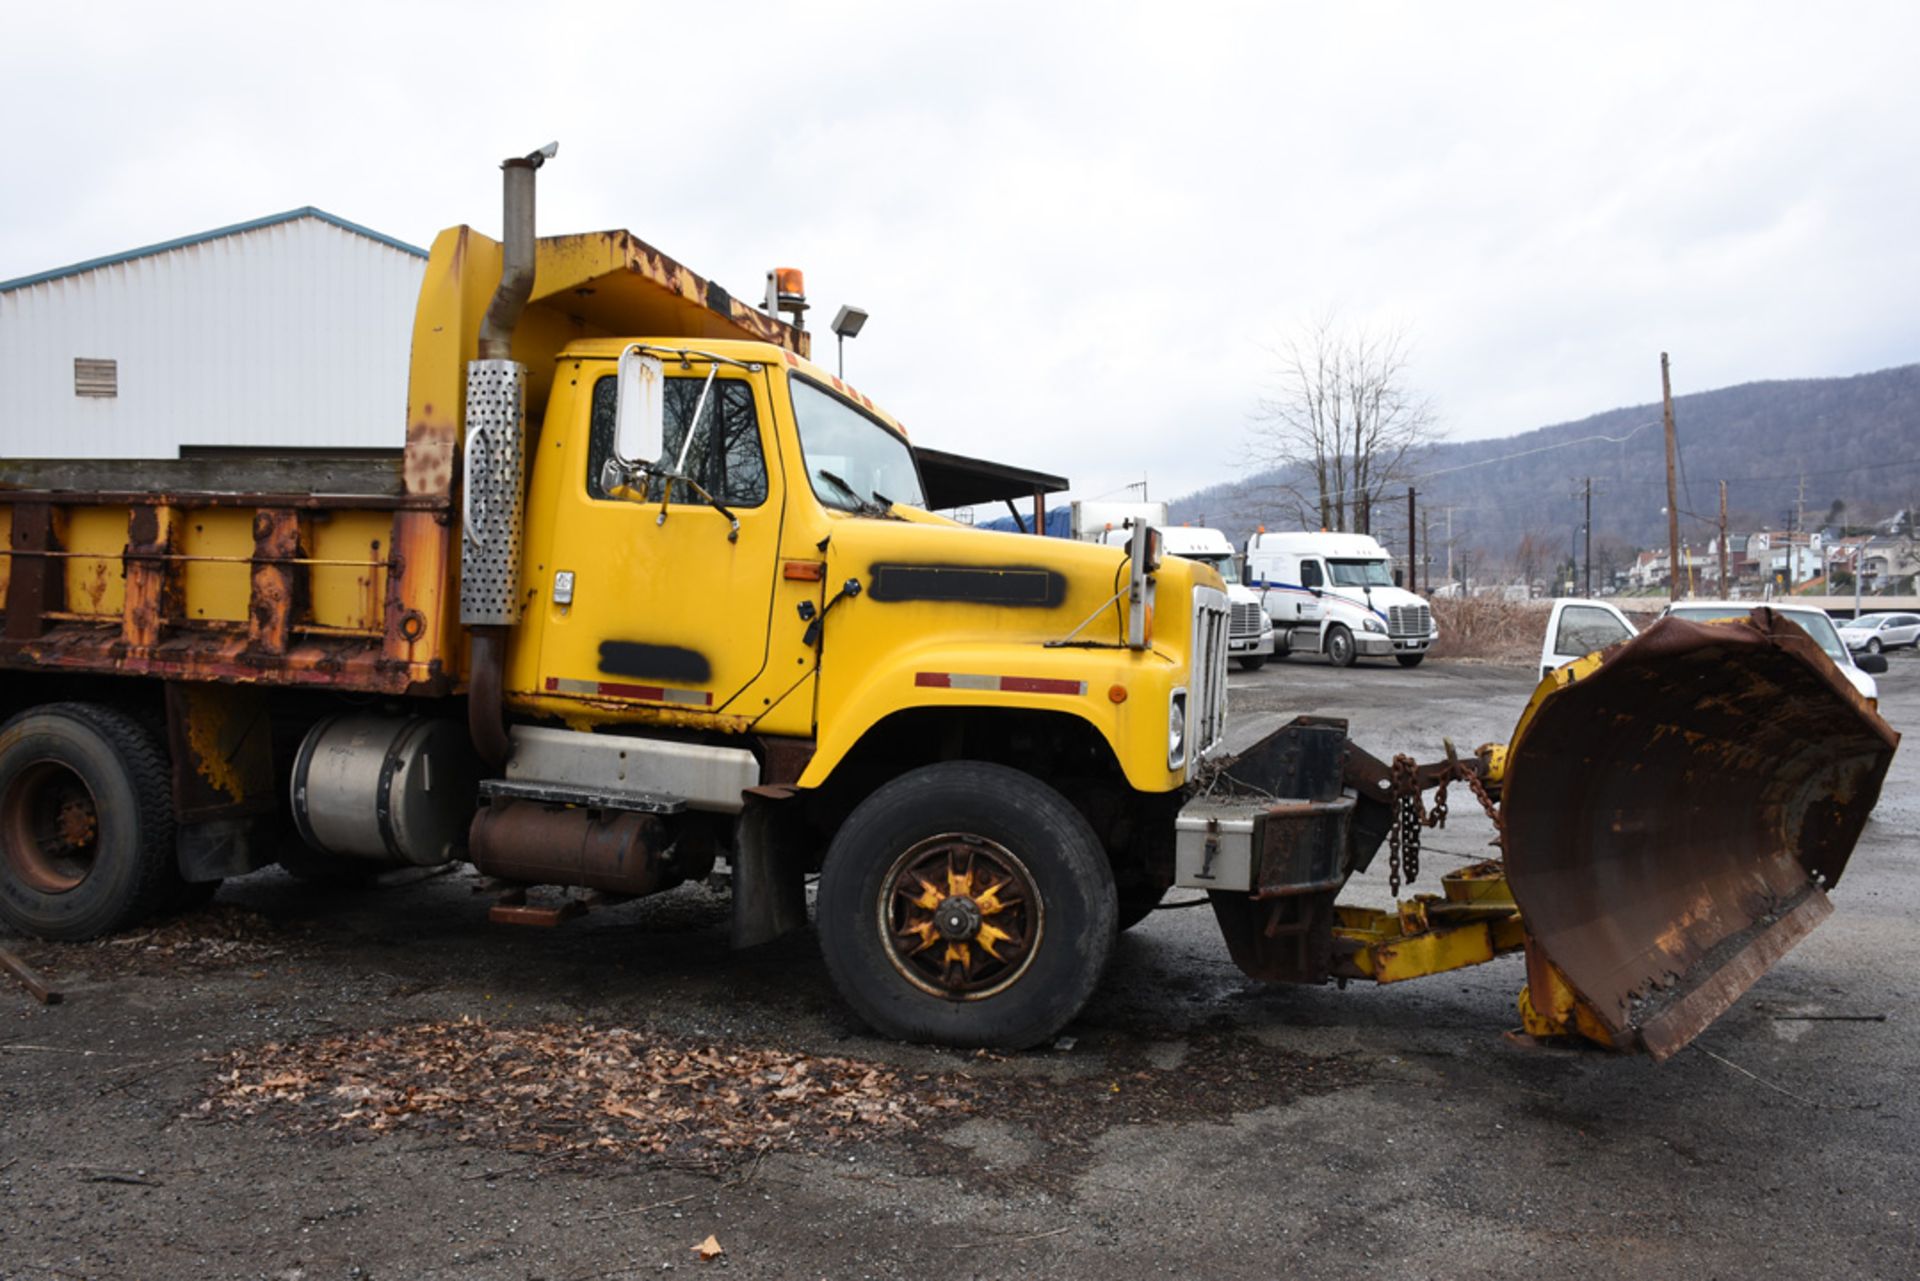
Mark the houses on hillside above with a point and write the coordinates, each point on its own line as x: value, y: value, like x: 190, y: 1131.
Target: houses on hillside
x: 1886, y: 562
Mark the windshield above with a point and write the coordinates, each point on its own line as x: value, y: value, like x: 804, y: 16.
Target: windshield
x: 852, y: 460
x: 1816, y: 625
x: 1360, y: 573
x: 1221, y: 564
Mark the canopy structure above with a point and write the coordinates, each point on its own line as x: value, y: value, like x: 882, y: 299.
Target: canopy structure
x: 954, y: 480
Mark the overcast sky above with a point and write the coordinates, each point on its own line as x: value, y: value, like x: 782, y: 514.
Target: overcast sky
x: 1079, y: 229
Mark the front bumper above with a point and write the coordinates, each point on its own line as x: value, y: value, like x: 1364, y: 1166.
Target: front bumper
x: 1245, y: 646
x: 1373, y: 644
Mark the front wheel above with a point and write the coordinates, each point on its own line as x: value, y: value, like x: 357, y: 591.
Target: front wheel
x: 1340, y: 650
x: 1873, y: 645
x: 966, y: 904
x: 1252, y: 662
x: 1410, y: 660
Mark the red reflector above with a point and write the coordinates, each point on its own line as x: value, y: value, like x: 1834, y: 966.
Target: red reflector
x: 1040, y: 685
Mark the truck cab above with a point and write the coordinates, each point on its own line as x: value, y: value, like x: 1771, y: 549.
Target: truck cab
x: 1337, y: 594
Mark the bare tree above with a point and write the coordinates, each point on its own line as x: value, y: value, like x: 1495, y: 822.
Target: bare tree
x: 1533, y: 552
x: 1342, y: 423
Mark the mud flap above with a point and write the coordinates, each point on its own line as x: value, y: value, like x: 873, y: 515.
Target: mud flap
x: 1675, y: 809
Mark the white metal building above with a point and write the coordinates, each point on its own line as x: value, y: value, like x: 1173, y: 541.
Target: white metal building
x: 292, y: 330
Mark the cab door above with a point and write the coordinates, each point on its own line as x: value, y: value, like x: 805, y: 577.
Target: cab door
x: 1577, y: 628
x: 1313, y: 581
x: 666, y: 606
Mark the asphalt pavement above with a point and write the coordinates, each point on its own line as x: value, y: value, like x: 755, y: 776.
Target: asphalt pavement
x: 1192, y: 1123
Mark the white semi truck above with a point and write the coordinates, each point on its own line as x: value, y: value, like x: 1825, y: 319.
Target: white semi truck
x: 1250, y: 633
x: 1250, y: 636
x: 1335, y: 594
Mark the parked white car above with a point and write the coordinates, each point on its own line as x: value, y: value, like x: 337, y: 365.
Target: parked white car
x: 1577, y: 628
x: 1876, y: 632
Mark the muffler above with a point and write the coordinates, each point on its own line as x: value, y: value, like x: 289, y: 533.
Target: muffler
x: 610, y: 850
x: 1675, y: 809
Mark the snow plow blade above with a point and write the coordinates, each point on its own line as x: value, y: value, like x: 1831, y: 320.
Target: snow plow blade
x: 1675, y: 809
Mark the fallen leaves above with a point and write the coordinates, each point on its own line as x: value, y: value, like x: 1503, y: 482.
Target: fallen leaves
x: 709, y: 1249
x: 213, y: 937
x: 577, y: 1090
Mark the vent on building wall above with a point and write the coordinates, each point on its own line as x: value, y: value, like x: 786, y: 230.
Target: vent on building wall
x: 95, y: 377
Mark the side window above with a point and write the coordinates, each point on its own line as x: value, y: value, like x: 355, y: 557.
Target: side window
x: 1584, y: 629
x: 726, y: 457
x: 1310, y: 575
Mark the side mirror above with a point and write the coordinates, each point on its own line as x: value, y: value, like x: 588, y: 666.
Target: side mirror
x: 1871, y: 664
x: 639, y: 415
x: 1399, y: 578
x: 1143, y: 558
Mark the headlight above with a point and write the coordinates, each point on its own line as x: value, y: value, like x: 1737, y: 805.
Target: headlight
x: 1177, y: 730
x: 1375, y: 625
x: 1266, y: 622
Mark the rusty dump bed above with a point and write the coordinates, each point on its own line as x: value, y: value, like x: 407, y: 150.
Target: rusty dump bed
x: 297, y: 571
x: 293, y: 571
x: 1675, y: 809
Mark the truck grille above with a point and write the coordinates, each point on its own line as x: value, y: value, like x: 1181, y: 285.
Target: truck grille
x: 1207, y: 683
x: 1246, y: 621
x: 1409, y: 620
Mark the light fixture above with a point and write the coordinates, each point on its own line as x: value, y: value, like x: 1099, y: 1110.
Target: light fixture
x: 846, y: 324
x: 787, y: 291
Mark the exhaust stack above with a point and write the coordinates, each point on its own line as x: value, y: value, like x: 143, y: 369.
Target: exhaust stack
x: 494, y: 488
x: 517, y: 240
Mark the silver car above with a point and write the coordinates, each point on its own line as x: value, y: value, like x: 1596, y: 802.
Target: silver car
x: 1876, y: 632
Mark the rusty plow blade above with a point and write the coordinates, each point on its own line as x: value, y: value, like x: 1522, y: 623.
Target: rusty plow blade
x: 1675, y: 810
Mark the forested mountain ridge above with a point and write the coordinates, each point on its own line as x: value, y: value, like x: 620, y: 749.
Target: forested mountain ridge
x: 1851, y: 441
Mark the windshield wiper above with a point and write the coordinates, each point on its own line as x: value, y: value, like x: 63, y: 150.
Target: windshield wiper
x: 863, y: 506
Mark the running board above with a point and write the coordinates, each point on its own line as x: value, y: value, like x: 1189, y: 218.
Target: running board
x: 593, y: 798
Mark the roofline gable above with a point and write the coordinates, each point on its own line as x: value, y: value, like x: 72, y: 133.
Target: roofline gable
x: 185, y: 242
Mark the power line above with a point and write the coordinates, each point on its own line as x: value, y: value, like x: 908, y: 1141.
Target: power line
x: 1505, y: 458
x: 1792, y: 475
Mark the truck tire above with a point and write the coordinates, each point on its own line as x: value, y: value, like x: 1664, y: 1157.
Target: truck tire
x: 1410, y: 660
x: 1340, y: 648
x: 966, y: 904
x: 86, y: 823
x: 1252, y: 662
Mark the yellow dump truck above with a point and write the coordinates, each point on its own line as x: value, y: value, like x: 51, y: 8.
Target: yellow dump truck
x: 648, y: 589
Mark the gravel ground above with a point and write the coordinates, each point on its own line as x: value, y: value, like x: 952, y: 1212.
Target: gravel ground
x: 181, y: 1115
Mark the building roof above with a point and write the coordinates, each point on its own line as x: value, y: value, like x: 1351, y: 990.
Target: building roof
x: 183, y: 242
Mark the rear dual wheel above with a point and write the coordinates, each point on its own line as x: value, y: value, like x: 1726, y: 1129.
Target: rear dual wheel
x: 967, y: 904
x: 86, y: 823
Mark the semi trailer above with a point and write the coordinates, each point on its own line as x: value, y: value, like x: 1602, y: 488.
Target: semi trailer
x: 648, y: 592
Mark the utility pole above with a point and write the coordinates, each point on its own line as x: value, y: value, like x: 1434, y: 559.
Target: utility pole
x: 1450, y: 548
x: 1426, y: 538
x: 1587, y: 590
x: 1725, y: 591
x: 1673, y: 495
x: 1413, y: 559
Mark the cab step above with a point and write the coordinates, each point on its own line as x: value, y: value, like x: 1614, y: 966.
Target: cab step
x: 597, y: 798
